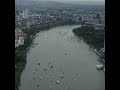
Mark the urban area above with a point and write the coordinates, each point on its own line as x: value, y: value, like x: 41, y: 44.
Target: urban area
x: 32, y: 19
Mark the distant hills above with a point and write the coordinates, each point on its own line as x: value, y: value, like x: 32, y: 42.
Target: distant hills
x: 40, y: 3
x: 30, y: 2
x: 59, y: 4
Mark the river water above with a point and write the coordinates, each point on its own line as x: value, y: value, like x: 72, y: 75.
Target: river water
x: 61, y: 53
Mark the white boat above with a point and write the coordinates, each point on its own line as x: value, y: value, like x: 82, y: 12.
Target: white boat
x: 95, y: 50
x: 99, y: 67
x: 61, y: 76
x: 45, y: 68
x: 57, y: 82
x: 104, y: 69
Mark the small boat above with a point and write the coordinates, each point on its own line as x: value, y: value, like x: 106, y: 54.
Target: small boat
x: 50, y: 86
x: 61, y: 76
x: 57, y: 82
x: 47, y: 77
x: 99, y: 67
x: 67, y: 87
x: 76, y: 74
x: 49, y: 63
x: 51, y: 66
x: 40, y: 78
x: 38, y: 63
x: 33, y: 72
x: 104, y: 69
x: 37, y: 85
x: 51, y: 81
x: 45, y: 68
x: 73, y: 78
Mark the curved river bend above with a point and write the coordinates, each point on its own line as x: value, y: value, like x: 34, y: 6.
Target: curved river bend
x: 61, y: 53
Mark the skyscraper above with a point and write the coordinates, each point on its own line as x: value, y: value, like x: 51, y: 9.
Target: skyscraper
x: 25, y: 14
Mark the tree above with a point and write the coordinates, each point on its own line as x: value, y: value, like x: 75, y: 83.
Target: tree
x: 98, y: 16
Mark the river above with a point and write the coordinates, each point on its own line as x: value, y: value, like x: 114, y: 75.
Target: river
x: 60, y: 52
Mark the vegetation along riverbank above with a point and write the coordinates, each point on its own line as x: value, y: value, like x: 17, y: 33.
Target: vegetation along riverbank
x: 21, y: 51
x: 93, y: 37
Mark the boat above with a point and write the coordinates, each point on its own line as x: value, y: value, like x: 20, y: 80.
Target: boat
x: 61, y: 76
x: 57, y: 82
x: 45, y: 68
x: 99, y: 67
x: 95, y: 50
x: 51, y: 66
x: 104, y: 69
x: 50, y: 86
x: 38, y: 63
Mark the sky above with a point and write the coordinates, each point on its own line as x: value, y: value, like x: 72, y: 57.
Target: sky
x: 72, y: 1
x: 65, y: 0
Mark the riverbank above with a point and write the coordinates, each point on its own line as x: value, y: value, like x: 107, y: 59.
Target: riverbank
x: 94, y: 38
x: 21, y: 52
x: 102, y: 58
x: 61, y: 51
x: 20, y: 59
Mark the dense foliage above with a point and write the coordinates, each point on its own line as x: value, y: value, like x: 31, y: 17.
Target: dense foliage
x: 93, y: 37
x: 20, y: 52
x: 20, y: 61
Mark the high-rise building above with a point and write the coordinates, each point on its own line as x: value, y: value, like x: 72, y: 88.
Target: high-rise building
x: 25, y: 14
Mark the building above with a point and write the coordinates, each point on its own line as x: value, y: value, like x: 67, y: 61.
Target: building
x: 25, y: 14
x: 21, y: 40
x: 95, y: 21
x: 19, y: 37
x: 87, y: 18
x: 16, y: 44
x: 28, y: 24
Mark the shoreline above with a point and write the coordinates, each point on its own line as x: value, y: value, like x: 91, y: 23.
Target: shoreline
x: 19, y: 66
x: 92, y: 45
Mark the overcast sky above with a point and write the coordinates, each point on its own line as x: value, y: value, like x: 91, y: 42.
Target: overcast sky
x: 64, y: 0
x: 71, y: 1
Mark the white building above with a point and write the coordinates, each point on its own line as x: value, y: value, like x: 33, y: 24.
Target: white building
x: 28, y: 23
x: 87, y: 18
x: 21, y: 40
x: 25, y: 14
x: 19, y: 37
x: 16, y: 43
